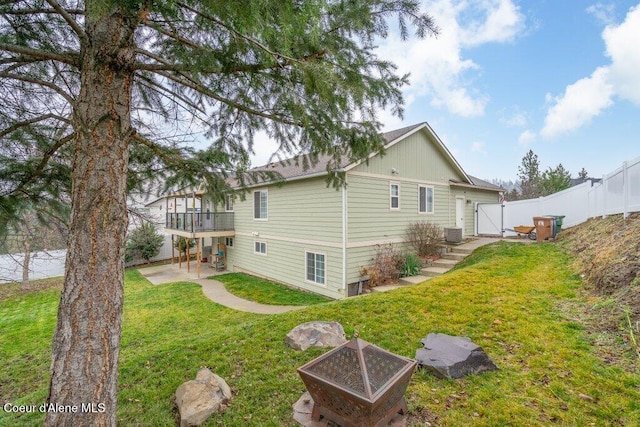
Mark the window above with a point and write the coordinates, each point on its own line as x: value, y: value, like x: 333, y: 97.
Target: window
x: 425, y: 199
x: 315, y: 268
x: 260, y: 248
x: 260, y: 204
x: 229, y: 204
x: 394, y: 194
x: 228, y: 242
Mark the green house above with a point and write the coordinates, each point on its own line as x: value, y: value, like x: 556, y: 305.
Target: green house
x: 311, y: 236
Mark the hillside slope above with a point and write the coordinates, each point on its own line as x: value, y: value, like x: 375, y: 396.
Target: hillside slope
x: 607, y: 255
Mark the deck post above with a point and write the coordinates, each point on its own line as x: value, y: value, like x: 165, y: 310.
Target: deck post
x: 172, y: 247
x: 198, y: 255
x: 188, y: 256
x: 179, y: 252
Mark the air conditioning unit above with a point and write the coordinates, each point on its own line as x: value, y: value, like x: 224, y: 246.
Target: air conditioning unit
x: 453, y: 235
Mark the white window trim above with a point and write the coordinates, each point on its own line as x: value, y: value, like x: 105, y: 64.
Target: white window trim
x: 230, y: 239
x: 228, y: 199
x: 265, y: 248
x: 254, y: 205
x: 391, y: 196
x: 321, y: 285
x: 433, y: 205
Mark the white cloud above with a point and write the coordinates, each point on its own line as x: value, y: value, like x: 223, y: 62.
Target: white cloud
x: 623, y: 44
x: 603, y: 12
x: 580, y: 102
x: 517, y: 119
x: 437, y: 65
x: 502, y: 23
x: 526, y: 138
x: 588, y: 97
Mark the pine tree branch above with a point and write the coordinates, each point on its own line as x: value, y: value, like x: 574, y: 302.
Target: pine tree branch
x: 158, y: 88
x: 69, y: 19
x: 171, y: 34
x: 162, y: 154
x: 43, y: 163
x: 70, y: 58
x: 50, y: 85
x: 25, y: 123
x: 216, y: 21
x: 40, y: 10
x: 185, y: 80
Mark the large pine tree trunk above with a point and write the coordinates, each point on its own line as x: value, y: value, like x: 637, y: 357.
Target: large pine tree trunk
x: 86, y: 344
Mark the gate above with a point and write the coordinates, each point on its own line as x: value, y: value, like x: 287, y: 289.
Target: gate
x: 489, y: 219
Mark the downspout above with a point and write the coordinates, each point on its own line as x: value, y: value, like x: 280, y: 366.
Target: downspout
x: 344, y: 235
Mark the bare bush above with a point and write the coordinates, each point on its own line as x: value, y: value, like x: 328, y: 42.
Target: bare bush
x: 424, y: 237
x: 385, y: 267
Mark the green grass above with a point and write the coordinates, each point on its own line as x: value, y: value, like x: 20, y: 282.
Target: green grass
x: 505, y: 298
x: 265, y: 291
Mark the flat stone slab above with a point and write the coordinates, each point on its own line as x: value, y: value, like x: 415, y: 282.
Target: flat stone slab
x: 453, y: 357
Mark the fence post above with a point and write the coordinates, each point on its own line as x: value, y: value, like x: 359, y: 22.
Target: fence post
x: 625, y: 189
x: 604, y: 196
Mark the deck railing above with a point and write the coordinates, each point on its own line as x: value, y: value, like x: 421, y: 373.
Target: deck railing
x: 197, y: 222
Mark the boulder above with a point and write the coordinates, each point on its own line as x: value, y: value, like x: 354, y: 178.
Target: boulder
x: 318, y: 334
x: 452, y: 357
x: 199, y: 398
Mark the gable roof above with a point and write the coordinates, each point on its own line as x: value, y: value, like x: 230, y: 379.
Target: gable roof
x: 477, y: 183
x: 293, y: 168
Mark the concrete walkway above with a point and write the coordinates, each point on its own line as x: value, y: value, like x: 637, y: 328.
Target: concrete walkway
x: 212, y: 289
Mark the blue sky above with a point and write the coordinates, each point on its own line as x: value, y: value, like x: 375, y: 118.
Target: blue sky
x: 561, y: 78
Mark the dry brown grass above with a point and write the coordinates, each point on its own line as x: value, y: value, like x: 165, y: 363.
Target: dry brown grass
x: 607, y: 254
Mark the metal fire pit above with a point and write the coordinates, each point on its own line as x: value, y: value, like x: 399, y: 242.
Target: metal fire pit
x: 357, y: 384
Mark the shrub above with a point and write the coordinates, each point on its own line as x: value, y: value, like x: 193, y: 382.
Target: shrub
x: 182, y: 242
x: 424, y: 237
x: 385, y: 267
x: 144, y: 242
x: 410, y: 265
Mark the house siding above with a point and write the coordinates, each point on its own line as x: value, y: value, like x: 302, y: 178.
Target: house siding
x: 303, y: 216
x: 417, y: 156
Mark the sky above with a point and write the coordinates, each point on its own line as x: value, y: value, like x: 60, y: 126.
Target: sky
x: 561, y: 78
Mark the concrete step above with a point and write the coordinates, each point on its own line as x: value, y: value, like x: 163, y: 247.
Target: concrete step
x: 413, y: 280
x: 454, y: 256
x: 461, y: 250
x: 444, y: 263
x: 434, y: 271
x: 387, y: 288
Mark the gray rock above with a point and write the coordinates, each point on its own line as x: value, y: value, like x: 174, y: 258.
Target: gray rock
x: 199, y: 398
x: 318, y: 334
x: 453, y: 357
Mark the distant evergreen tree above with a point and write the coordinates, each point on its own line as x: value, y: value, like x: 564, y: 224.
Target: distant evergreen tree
x: 554, y: 180
x: 144, y: 242
x: 583, y: 174
x: 529, y: 175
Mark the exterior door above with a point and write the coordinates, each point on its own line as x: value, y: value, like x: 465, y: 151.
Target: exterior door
x: 460, y: 213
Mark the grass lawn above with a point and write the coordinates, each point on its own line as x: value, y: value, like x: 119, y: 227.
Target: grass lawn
x: 505, y: 298
x: 266, y: 291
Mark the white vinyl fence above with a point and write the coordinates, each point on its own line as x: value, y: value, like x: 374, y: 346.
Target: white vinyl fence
x: 618, y: 193
x: 51, y: 264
